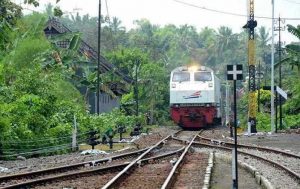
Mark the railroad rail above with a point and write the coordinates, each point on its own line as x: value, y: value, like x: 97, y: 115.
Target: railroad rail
x: 121, y: 174
x: 165, y: 149
x: 92, y: 171
x: 129, y: 175
x: 289, y: 171
x: 55, y: 170
x: 170, y: 179
x: 61, y: 172
x: 230, y: 144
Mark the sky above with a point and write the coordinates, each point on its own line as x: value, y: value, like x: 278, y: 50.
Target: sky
x: 191, y: 12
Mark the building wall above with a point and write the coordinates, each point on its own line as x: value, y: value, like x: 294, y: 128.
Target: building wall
x: 106, y: 102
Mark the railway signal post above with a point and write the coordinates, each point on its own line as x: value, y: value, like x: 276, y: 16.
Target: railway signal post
x: 251, y: 24
x: 235, y: 72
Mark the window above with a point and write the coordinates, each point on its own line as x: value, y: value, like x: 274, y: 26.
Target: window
x: 181, y: 76
x: 202, y: 76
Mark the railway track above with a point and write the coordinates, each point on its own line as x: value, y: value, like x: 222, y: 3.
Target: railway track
x: 184, y: 162
x: 290, y: 161
x: 45, y: 175
x: 151, y: 175
x: 267, y: 161
x: 107, y: 167
x: 286, y: 161
x: 156, y: 174
x: 170, y: 163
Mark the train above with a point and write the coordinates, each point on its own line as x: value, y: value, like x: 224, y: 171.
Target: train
x: 195, y: 97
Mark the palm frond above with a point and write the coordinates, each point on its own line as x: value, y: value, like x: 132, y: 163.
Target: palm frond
x: 293, y: 47
x: 283, y: 61
x: 294, y: 30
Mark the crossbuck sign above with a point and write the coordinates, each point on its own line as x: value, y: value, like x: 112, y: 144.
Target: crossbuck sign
x: 235, y: 72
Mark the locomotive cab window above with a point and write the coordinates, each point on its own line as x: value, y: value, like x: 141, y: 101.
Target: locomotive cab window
x: 181, y: 76
x: 202, y: 76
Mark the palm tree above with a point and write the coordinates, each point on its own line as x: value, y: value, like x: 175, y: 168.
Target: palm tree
x: 293, y: 50
x: 225, y: 39
x: 116, y: 25
x: 49, y: 10
x: 263, y: 37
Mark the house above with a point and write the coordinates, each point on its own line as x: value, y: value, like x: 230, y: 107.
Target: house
x: 106, y: 101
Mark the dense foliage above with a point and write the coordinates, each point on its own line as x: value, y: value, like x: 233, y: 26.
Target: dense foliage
x: 39, y: 97
x: 170, y: 46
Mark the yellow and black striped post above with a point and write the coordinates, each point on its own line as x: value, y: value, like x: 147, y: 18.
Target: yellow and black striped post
x: 251, y: 24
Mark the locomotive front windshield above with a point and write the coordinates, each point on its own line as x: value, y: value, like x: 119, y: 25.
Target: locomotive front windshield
x: 181, y: 76
x: 202, y: 76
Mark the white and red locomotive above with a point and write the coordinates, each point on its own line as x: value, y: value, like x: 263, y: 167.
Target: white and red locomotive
x: 195, y: 97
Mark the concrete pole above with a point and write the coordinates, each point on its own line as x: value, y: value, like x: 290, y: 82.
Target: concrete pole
x: 272, y: 73
x: 227, y: 103
x: 74, y: 135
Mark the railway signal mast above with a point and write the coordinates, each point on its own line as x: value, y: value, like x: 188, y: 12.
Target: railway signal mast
x: 251, y: 24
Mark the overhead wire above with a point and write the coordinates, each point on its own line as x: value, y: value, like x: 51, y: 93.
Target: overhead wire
x: 39, y: 150
x: 293, y: 2
x: 40, y: 147
x: 227, y: 13
x: 44, y: 139
x: 48, y: 150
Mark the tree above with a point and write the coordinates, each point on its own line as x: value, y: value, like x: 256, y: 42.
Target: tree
x: 9, y: 14
x: 226, y: 39
x: 293, y: 50
x: 35, y: 101
x: 153, y: 90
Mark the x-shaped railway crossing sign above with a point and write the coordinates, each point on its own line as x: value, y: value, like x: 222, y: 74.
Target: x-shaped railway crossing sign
x: 235, y: 72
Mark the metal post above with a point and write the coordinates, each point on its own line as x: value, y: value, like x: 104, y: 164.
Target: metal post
x: 251, y: 24
x: 258, y: 88
x: 272, y: 73
x: 276, y: 112
x: 136, y: 88
x: 1, y: 149
x: 98, y: 65
x: 280, y: 99
x: 227, y: 102
x: 74, y: 135
x: 235, y: 182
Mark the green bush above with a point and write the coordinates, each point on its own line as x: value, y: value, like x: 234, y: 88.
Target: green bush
x: 263, y: 122
x: 291, y: 121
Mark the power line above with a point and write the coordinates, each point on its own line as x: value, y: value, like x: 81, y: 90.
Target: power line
x: 44, y: 139
x: 227, y: 13
x: 39, y: 148
x: 293, y: 2
x: 48, y: 150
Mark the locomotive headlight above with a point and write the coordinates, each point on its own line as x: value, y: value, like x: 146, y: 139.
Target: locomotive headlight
x: 210, y: 85
x: 173, y: 85
x: 193, y: 68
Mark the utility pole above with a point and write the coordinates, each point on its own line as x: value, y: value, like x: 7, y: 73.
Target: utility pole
x: 235, y: 72
x: 74, y: 135
x: 279, y: 29
x: 251, y: 24
x: 258, y: 87
x: 98, y: 65
x: 136, y: 90
x: 227, y: 86
x: 272, y: 73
